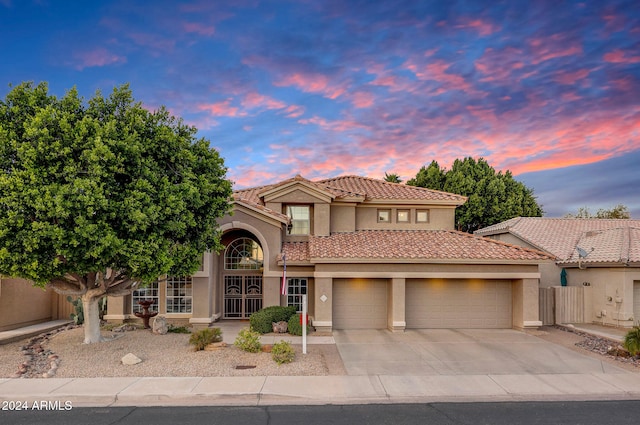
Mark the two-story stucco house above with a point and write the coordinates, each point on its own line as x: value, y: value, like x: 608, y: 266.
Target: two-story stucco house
x: 368, y: 254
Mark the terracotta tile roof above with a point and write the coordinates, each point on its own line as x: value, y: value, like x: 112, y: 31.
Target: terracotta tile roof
x: 403, y: 245
x: 619, y: 245
x: 354, y: 186
x: 380, y: 189
x: 560, y: 236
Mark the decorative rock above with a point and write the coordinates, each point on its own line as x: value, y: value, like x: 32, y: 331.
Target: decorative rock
x: 160, y: 325
x: 280, y: 327
x: 130, y: 359
x: 124, y: 328
x: 214, y: 346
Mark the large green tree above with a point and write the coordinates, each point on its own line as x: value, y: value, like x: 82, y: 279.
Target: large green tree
x: 98, y: 197
x: 492, y: 196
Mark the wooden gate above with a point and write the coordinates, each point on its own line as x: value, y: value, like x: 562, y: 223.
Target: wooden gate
x: 563, y: 304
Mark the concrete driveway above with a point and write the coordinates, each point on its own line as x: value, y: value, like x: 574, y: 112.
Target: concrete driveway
x: 459, y: 352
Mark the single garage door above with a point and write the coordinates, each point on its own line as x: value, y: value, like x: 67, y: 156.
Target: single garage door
x: 359, y: 304
x: 458, y: 303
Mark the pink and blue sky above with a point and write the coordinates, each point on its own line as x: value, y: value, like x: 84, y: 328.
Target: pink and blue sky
x: 547, y: 89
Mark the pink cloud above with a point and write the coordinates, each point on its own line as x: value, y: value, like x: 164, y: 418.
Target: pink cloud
x: 500, y: 65
x: 619, y: 56
x: 222, y: 109
x: 312, y: 83
x: 256, y: 100
x: 552, y: 47
x: 198, y: 28
x: 483, y: 28
x: 362, y: 99
x: 437, y: 71
x: 96, y: 58
x: 569, y: 78
x: 294, y: 111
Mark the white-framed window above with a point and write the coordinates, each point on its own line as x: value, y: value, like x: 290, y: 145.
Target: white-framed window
x: 402, y: 216
x: 297, y: 287
x: 384, y: 216
x: 422, y: 216
x: 179, y: 294
x: 300, y: 216
x: 150, y: 292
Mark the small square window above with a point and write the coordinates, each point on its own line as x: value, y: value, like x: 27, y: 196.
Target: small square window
x: 422, y: 216
x: 384, y: 216
x: 402, y: 216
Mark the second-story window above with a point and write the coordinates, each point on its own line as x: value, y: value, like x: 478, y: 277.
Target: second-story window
x: 402, y: 216
x: 300, y: 219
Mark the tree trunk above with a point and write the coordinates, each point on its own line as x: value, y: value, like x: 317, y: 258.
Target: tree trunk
x: 91, y: 319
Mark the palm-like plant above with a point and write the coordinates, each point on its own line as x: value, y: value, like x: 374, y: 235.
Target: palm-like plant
x: 632, y: 341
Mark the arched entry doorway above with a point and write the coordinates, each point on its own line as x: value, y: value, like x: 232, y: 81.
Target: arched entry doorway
x: 242, y: 278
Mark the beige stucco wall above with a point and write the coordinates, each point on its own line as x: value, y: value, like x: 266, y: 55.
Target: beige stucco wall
x: 611, y: 293
x: 396, y: 309
x: 343, y: 218
x: 323, y: 318
x: 21, y: 304
x: 525, y: 305
x: 439, y: 217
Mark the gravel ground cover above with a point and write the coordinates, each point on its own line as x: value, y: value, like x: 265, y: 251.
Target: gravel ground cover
x: 162, y: 355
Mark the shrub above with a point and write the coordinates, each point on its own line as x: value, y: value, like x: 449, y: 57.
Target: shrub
x: 261, y: 321
x: 178, y: 329
x: 202, y: 338
x: 248, y: 340
x: 295, y: 328
x: 632, y: 341
x: 282, y: 352
x: 78, y: 316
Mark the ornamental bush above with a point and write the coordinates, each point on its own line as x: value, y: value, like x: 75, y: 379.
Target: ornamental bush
x: 207, y: 336
x: 248, y: 340
x: 282, y: 352
x: 295, y: 328
x: 632, y: 341
x: 261, y: 321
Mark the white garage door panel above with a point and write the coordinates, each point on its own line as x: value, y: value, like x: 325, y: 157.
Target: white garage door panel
x: 458, y: 304
x: 359, y: 304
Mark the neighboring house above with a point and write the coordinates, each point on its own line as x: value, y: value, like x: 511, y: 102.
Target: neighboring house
x: 369, y: 254
x: 600, y: 255
x: 22, y: 304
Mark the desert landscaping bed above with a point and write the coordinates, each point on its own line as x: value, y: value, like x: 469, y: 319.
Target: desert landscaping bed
x: 161, y: 355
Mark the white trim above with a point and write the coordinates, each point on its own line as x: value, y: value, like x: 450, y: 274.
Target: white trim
x: 327, y: 323
x: 531, y: 323
x: 428, y: 275
x: 399, y: 324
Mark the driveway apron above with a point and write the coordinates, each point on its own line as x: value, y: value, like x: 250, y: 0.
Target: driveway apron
x: 459, y: 352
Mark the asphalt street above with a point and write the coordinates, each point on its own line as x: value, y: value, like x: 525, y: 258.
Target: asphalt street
x: 511, y: 413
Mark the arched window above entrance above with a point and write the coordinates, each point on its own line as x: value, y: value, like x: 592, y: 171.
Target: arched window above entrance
x: 243, y: 254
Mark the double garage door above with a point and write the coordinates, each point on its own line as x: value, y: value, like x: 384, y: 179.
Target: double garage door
x: 430, y: 303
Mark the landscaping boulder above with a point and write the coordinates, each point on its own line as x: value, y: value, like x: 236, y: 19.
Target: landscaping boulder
x: 130, y: 359
x: 160, y: 325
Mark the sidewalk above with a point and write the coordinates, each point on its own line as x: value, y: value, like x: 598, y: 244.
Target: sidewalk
x: 305, y: 390
x: 337, y: 389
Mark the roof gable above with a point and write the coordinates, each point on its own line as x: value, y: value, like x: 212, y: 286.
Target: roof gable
x: 297, y: 183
